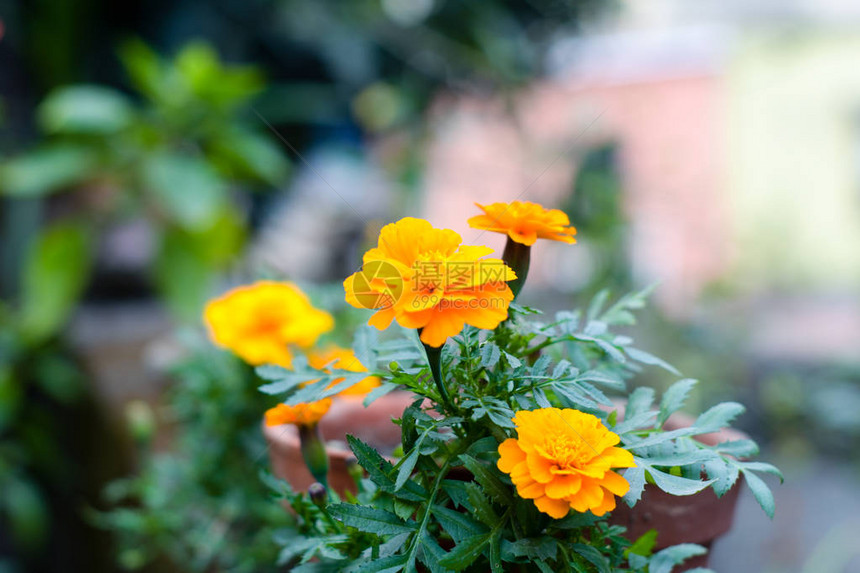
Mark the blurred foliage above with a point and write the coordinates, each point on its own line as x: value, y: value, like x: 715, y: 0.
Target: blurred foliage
x: 36, y: 375
x: 201, y: 506
x: 41, y: 386
x: 174, y: 158
x: 596, y: 211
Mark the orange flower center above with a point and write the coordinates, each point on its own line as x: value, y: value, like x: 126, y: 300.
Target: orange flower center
x: 568, y: 452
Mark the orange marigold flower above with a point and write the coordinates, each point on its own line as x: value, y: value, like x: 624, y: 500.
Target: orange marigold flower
x: 524, y: 222
x: 343, y: 359
x: 259, y: 322
x: 424, y: 278
x: 563, y: 460
x: 304, y: 414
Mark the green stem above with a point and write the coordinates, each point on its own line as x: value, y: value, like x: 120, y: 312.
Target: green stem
x: 434, y: 360
x: 517, y: 256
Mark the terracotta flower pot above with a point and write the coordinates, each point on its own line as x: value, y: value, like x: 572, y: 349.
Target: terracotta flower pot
x: 347, y: 416
x: 699, y: 518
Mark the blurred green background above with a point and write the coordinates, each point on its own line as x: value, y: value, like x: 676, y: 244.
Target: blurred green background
x: 153, y: 154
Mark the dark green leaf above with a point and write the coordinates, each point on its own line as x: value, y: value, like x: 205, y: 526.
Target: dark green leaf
x: 593, y: 556
x: 465, y: 553
x: 488, y: 479
x: 406, y: 465
x: 490, y: 355
x: 370, y: 519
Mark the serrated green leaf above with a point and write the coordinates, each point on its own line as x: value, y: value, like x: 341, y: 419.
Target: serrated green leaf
x: 485, y: 476
x: 364, y: 343
x: 738, y: 448
x: 636, y: 478
x: 406, y: 466
x: 718, y: 417
x: 535, y: 548
x: 593, y: 556
x: 682, y: 458
x: 490, y: 355
x: 648, y: 358
x: 672, y: 484
x: 370, y: 519
x: 480, y: 505
x: 458, y: 525
x: 725, y: 475
x: 674, y: 398
x: 465, y: 553
x: 388, y: 564
x: 761, y: 491
x: 431, y: 553
x: 640, y: 401
x: 378, y: 468
x: 763, y: 467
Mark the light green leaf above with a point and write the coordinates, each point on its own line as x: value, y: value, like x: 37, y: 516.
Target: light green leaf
x: 718, y: 417
x: 640, y: 401
x: 674, y: 485
x: 56, y: 272
x: 673, y: 399
x: 85, y: 109
x: 186, y: 188
x: 46, y: 170
x: 647, y: 358
x: 664, y: 561
x: 738, y: 448
x: 762, y: 493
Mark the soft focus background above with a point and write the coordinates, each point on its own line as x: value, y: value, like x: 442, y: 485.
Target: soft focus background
x: 154, y: 154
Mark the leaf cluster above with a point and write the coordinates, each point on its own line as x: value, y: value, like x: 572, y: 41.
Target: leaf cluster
x: 445, y: 506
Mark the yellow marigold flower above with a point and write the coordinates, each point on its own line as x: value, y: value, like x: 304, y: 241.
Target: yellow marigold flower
x: 562, y: 459
x: 524, y: 222
x: 260, y: 322
x: 343, y: 359
x: 304, y: 414
x: 424, y: 278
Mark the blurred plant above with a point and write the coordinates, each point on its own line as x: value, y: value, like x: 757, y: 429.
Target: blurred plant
x: 39, y: 382
x: 172, y: 158
x: 200, y: 506
x: 596, y: 200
